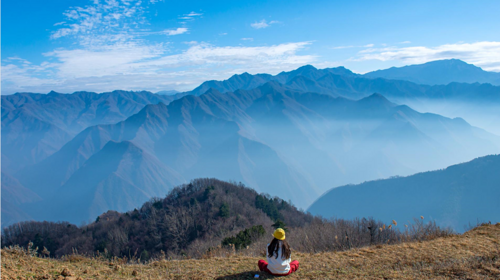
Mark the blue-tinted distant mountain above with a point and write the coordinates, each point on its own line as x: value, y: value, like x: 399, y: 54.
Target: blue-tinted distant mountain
x: 477, y: 102
x: 247, y: 81
x: 120, y: 176
x: 242, y: 81
x: 457, y: 196
x: 36, y: 125
x: 439, y: 72
x: 275, y: 139
x: 294, y: 135
x: 342, y: 82
x: 14, y: 195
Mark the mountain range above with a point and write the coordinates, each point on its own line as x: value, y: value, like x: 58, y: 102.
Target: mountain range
x: 295, y: 135
x: 458, y: 196
x: 476, y: 102
x: 37, y: 125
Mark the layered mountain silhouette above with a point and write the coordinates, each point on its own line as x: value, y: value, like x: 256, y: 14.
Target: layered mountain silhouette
x: 36, y: 125
x: 473, y: 97
x: 293, y: 135
x: 440, y: 72
x: 277, y: 140
x: 120, y: 176
x: 458, y: 196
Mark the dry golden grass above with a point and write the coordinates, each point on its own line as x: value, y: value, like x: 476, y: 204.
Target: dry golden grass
x: 473, y: 255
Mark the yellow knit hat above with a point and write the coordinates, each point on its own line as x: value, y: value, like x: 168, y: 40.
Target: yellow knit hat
x: 279, y: 234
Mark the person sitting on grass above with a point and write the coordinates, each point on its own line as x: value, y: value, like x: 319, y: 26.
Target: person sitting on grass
x: 278, y: 256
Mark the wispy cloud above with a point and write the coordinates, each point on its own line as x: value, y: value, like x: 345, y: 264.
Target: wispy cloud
x: 103, y: 22
x: 263, y: 24
x: 351, y: 46
x: 483, y: 54
x: 342, y: 47
x: 190, y: 16
x: 247, y: 39
x: 180, y: 30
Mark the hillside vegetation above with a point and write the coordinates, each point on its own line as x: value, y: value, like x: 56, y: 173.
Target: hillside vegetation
x: 473, y: 255
x: 188, y: 221
x: 208, y: 217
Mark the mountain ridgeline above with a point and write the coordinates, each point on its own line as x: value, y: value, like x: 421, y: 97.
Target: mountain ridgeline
x: 458, y: 196
x: 294, y: 135
x: 441, y: 72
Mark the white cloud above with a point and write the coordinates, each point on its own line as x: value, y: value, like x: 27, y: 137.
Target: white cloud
x: 170, y: 32
x: 247, y: 39
x: 134, y: 66
x: 194, y: 14
x: 351, y: 46
x: 103, y: 21
x: 342, y: 47
x: 263, y: 24
x: 405, y: 42
x: 190, y: 16
x: 483, y: 54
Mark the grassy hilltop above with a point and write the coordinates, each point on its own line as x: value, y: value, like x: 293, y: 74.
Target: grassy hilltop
x: 472, y: 255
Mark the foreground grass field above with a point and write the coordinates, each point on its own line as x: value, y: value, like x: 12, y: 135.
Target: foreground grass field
x: 473, y: 255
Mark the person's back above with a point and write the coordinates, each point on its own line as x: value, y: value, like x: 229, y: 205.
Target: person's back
x: 278, y: 256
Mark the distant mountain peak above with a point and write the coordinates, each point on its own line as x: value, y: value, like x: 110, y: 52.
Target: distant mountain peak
x: 438, y: 72
x: 121, y: 145
x: 307, y: 67
x: 375, y: 96
x: 244, y: 74
x: 51, y: 93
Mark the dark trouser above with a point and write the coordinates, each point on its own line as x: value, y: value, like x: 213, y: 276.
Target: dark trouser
x: 294, y: 266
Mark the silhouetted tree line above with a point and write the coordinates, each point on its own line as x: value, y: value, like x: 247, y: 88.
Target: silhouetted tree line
x: 199, y: 217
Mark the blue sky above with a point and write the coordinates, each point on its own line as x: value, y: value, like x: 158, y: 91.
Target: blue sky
x: 102, y: 45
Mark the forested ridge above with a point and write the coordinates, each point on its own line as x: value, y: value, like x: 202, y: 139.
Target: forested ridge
x: 207, y: 217
x: 206, y: 211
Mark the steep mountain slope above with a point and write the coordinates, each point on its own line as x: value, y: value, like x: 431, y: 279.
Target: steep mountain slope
x: 27, y: 139
x: 36, y: 125
x: 13, y: 196
x: 439, y: 72
x: 120, y: 176
x: 456, y: 196
x: 185, y: 136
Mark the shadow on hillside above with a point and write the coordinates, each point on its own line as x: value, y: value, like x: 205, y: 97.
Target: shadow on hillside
x: 248, y: 275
